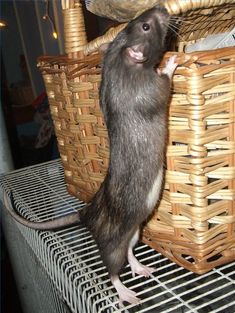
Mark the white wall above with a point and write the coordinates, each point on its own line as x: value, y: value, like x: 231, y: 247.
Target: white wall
x: 6, y: 163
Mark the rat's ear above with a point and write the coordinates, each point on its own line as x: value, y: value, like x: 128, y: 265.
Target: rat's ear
x: 162, y: 14
x: 104, y: 47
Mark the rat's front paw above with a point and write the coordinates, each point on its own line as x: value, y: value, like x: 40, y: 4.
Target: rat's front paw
x: 170, y: 66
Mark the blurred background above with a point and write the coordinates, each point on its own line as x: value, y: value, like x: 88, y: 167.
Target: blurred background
x: 30, y: 29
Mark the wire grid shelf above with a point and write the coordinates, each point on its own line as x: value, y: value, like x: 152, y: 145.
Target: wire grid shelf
x: 36, y: 290
x: 71, y: 259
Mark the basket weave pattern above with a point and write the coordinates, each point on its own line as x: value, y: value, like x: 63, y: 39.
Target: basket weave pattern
x: 195, y: 221
x: 73, y: 93
x: 197, y: 209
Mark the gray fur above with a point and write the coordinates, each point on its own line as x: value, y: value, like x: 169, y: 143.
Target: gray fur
x: 134, y: 102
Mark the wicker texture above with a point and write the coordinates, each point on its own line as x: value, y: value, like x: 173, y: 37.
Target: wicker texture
x: 196, y: 216
x: 195, y: 222
x: 199, y: 19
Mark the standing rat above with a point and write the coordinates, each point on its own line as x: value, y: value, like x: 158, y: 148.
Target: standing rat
x: 133, y: 98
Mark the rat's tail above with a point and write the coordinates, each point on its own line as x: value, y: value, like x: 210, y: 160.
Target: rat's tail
x: 57, y: 223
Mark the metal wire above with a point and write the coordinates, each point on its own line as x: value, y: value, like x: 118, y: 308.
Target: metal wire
x: 71, y: 258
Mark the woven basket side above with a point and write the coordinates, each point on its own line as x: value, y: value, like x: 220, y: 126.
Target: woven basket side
x: 198, y: 24
x: 79, y: 126
x: 196, y: 216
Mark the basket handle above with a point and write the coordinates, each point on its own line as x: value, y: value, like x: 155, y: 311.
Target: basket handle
x: 74, y: 28
x: 80, y: 44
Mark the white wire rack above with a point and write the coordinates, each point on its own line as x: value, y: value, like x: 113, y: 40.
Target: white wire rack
x: 71, y: 259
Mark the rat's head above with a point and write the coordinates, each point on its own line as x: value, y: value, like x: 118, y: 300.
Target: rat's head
x: 145, y: 37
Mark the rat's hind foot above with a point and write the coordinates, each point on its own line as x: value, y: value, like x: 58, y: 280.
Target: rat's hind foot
x: 137, y: 267
x: 141, y: 269
x: 125, y: 294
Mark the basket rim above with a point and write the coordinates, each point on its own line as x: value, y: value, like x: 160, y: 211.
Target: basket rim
x: 174, y: 7
x: 92, y: 60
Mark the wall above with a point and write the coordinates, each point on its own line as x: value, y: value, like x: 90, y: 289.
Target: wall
x: 6, y: 163
x: 29, y: 34
x: 10, y: 43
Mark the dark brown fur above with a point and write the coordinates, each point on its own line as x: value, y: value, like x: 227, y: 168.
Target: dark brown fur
x: 134, y: 102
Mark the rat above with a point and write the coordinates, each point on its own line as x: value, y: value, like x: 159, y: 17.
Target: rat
x: 134, y: 96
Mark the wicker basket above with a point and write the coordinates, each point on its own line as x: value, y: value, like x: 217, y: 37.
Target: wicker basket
x: 195, y: 223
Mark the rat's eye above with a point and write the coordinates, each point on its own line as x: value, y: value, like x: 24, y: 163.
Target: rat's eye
x: 146, y: 27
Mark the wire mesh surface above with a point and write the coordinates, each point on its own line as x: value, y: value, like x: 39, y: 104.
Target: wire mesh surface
x: 36, y: 290
x: 71, y: 259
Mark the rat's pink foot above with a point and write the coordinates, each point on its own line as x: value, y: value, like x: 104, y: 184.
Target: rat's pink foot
x: 124, y: 293
x: 170, y: 66
x: 137, y: 267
